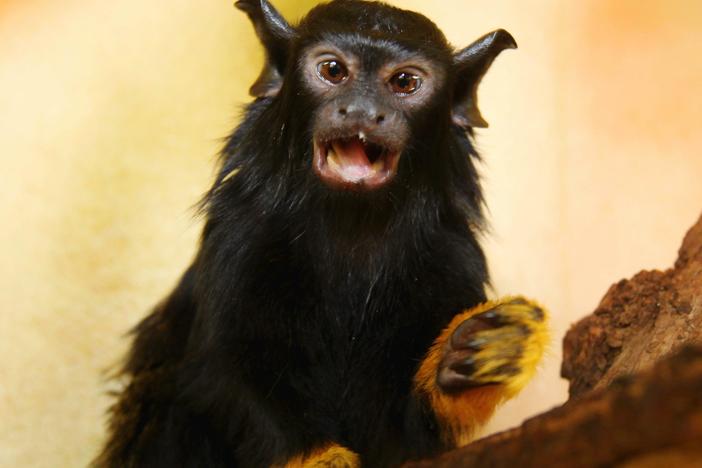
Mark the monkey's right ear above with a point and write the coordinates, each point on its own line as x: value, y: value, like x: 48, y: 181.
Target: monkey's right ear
x: 275, y: 34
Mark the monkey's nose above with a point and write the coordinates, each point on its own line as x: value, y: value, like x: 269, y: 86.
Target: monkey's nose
x: 362, y: 113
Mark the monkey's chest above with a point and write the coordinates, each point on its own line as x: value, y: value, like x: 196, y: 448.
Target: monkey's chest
x: 360, y: 349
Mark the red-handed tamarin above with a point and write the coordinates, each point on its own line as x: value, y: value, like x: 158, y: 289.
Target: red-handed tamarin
x: 335, y: 313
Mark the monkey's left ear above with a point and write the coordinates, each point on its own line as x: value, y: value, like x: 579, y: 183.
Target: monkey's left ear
x: 275, y: 34
x: 470, y: 65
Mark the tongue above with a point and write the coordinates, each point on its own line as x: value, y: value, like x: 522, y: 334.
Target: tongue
x: 352, y: 159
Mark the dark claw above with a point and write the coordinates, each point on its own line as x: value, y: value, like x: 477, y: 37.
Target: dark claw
x: 508, y: 370
x: 450, y: 381
x: 476, y: 344
x: 538, y: 314
x: 492, y: 317
x: 489, y: 315
x: 465, y: 367
x: 463, y: 336
x: 461, y: 376
x: 518, y: 301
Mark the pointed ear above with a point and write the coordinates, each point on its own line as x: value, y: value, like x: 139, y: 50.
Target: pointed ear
x: 275, y: 34
x: 470, y: 64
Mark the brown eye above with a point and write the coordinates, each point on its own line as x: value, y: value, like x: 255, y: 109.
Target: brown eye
x: 332, y: 71
x: 405, y: 83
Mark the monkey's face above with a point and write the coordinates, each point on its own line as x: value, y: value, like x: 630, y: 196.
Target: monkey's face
x: 367, y: 94
x: 376, y: 78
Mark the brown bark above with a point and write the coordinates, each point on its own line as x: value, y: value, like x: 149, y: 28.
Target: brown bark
x: 635, y: 372
x: 639, y: 321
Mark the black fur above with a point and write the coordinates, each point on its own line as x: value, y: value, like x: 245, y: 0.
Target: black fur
x: 307, y: 310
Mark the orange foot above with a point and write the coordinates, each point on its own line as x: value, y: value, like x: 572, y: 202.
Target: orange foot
x: 330, y: 456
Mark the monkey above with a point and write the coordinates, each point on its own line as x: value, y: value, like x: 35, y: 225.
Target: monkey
x: 335, y: 313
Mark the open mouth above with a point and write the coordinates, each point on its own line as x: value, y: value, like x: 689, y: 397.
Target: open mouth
x: 354, y: 162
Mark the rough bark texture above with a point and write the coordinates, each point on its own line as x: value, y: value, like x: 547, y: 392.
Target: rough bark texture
x: 635, y: 372
x: 639, y: 321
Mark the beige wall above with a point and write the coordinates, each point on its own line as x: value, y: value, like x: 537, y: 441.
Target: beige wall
x: 111, y: 113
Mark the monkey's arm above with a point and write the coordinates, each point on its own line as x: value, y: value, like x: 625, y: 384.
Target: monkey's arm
x: 485, y: 356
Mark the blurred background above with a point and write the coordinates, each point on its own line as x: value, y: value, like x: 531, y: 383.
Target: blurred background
x: 111, y: 114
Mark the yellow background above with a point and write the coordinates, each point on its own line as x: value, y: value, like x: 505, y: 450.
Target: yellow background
x: 111, y: 113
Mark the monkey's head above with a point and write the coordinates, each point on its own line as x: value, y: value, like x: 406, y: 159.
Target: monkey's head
x: 376, y: 93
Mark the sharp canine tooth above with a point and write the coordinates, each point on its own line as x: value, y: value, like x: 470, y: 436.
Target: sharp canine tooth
x: 378, y: 165
x: 332, y: 161
x: 362, y: 136
x: 332, y: 156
